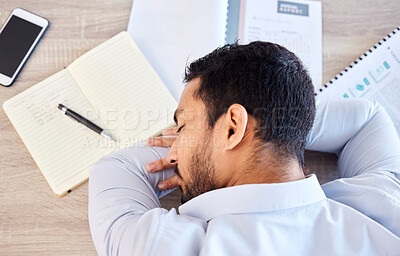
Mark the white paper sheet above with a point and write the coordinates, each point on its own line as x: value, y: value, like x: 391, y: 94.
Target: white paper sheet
x: 173, y: 33
x: 376, y: 77
x: 297, y: 25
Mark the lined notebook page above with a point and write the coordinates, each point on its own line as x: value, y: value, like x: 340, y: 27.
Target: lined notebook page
x: 62, y: 148
x: 125, y: 91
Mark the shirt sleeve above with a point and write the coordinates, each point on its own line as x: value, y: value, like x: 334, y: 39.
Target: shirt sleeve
x: 123, y: 201
x: 363, y: 136
x: 360, y: 132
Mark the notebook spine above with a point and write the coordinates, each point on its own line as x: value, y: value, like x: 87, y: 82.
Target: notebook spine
x: 232, y: 21
x: 341, y: 73
x: 226, y: 22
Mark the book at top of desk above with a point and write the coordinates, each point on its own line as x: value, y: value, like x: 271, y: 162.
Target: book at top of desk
x: 112, y: 85
x: 375, y: 75
x: 173, y: 33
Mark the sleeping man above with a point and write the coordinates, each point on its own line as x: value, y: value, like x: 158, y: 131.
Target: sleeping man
x: 244, y: 119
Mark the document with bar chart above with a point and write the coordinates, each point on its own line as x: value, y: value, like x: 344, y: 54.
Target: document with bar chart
x: 297, y: 25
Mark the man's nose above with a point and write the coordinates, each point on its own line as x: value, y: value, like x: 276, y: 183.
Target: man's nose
x: 173, y: 153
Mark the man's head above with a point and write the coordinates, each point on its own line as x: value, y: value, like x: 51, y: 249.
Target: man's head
x: 244, y: 117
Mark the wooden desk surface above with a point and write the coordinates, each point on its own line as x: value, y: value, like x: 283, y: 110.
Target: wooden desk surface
x: 32, y: 220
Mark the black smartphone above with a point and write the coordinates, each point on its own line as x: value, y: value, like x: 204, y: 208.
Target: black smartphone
x: 18, y: 37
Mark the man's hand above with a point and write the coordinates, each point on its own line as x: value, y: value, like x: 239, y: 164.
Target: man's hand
x: 164, y: 163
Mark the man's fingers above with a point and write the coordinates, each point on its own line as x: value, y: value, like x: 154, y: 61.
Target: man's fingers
x: 170, y: 131
x: 306, y: 170
x: 168, y: 183
x: 159, y: 165
x: 161, y: 141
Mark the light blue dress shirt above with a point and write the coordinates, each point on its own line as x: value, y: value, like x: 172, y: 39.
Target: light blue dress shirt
x: 357, y: 214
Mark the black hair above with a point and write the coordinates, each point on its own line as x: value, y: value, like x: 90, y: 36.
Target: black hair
x: 269, y: 81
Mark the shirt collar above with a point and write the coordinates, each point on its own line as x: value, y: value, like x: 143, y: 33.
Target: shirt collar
x: 252, y: 198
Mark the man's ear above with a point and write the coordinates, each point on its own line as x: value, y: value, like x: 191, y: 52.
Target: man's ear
x: 235, y: 125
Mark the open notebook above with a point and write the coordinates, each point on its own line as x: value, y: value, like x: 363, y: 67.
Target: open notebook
x: 112, y: 85
x: 175, y: 32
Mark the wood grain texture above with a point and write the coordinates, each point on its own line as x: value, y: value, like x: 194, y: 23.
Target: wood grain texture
x: 32, y: 220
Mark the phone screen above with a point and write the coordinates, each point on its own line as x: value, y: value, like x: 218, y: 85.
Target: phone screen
x: 16, y: 39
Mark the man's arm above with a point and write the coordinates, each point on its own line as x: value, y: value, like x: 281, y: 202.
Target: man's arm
x: 124, y: 213
x: 123, y: 200
x: 364, y: 138
x: 360, y: 133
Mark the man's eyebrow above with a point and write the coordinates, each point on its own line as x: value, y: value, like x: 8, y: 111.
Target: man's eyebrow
x: 177, y: 113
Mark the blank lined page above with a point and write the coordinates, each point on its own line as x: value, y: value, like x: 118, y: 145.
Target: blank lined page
x: 62, y: 148
x: 125, y: 91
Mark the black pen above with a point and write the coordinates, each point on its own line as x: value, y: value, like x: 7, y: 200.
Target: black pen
x: 84, y: 121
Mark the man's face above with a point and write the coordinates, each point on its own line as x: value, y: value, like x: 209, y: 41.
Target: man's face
x: 194, y: 147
